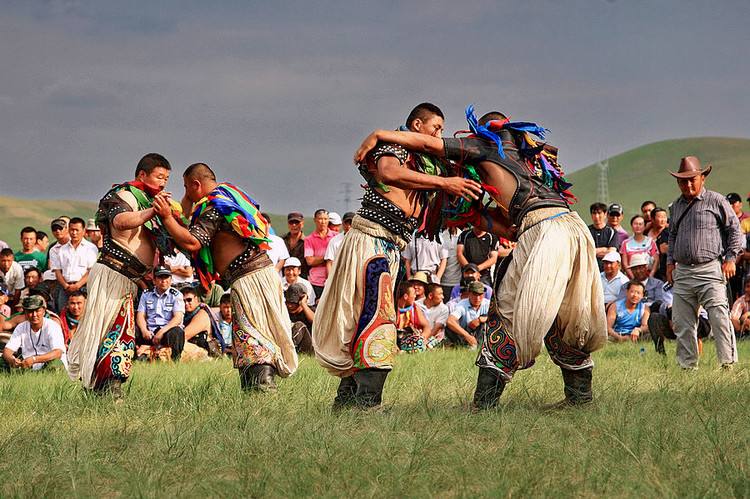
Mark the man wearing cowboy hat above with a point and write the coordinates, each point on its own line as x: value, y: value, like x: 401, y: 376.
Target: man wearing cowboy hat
x: 704, y: 241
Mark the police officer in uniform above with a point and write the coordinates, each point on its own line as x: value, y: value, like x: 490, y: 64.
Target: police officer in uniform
x: 160, y: 313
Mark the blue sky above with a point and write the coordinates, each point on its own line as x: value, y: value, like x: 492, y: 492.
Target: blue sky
x: 277, y: 95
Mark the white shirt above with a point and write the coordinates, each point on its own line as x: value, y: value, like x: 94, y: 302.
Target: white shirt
x: 278, y: 249
x: 437, y: 315
x: 74, y: 262
x: 306, y: 284
x: 612, y: 287
x: 452, y: 274
x: 424, y: 255
x: 178, y: 260
x: 13, y: 278
x: 48, y: 338
x: 333, y: 246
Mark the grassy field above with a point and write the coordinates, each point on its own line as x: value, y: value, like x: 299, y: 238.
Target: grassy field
x: 185, y: 430
x: 641, y: 173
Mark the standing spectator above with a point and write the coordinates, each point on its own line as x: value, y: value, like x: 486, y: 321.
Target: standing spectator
x: 603, y: 234
x: 470, y: 273
x: 71, y: 315
x: 423, y: 255
x: 278, y: 252
x: 334, y: 221
x: 740, y: 314
x: 735, y: 201
x: 72, y: 263
x: 315, y: 250
x: 612, y: 278
x: 292, y: 271
x: 435, y: 310
x: 38, y: 340
x: 614, y: 220
x: 59, y: 228
x: 11, y: 274
x: 646, y: 208
x: 94, y: 233
x: 179, y: 265
x: 735, y: 283
x: 745, y: 223
x: 660, y: 234
x: 704, y: 242
x: 160, y: 314
x: 628, y: 317
x: 42, y: 241
x: 452, y: 275
x: 295, y: 239
x: 480, y: 248
x: 639, y: 244
x: 29, y: 256
x: 338, y: 239
x: 465, y: 320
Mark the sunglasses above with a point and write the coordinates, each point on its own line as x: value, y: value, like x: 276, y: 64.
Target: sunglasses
x: 188, y: 300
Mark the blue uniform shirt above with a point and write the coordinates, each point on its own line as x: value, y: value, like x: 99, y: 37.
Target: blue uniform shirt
x: 160, y: 308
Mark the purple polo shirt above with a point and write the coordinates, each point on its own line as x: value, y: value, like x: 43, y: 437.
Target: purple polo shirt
x: 315, y: 245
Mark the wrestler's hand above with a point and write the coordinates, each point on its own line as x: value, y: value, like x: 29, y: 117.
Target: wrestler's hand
x: 367, y: 145
x: 162, y: 207
x: 463, y: 187
x: 728, y: 268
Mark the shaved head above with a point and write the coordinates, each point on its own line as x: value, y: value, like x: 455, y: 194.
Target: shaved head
x: 200, y: 172
x: 494, y: 115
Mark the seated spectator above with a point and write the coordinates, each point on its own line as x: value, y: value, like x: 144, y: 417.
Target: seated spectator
x: 71, y: 315
x: 423, y: 255
x: 42, y: 241
x: 278, y: 252
x: 225, y: 321
x: 740, y: 313
x: 11, y: 274
x: 628, y: 318
x: 315, y: 251
x: 295, y: 239
x: 72, y: 263
x: 612, y: 279
x: 419, y: 280
x: 470, y: 273
x: 29, y: 256
x: 17, y: 318
x: 435, y: 310
x: 468, y: 315
x: 94, y: 233
x: 334, y: 222
x: 200, y: 326
x: 32, y: 279
x: 480, y: 248
x: 292, y: 270
x: 302, y: 316
x: 412, y: 327
x: 640, y: 267
x: 179, y: 265
x: 614, y: 220
x: 5, y: 310
x: 335, y: 243
x: 659, y: 233
x: 639, y: 243
x: 37, y: 342
x: 212, y: 297
x: 160, y: 313
x: 603, y: 234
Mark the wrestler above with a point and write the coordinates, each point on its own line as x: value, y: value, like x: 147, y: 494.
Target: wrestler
x: 227, y: 237
x: 550, y: 292
x: 355, y: 330
x: 102, y: 350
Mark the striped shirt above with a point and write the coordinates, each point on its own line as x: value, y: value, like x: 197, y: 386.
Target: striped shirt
x: 709, y: 231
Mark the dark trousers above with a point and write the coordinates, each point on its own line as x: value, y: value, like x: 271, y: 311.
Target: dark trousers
x: 318, y: 292
x: 302, y: 338
x: 175, y: 339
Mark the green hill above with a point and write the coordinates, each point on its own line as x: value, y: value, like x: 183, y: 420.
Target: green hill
x: 18, y: 213
x: 641, y: 173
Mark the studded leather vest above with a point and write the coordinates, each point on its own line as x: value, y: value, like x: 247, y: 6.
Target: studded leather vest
x: 531, y: 193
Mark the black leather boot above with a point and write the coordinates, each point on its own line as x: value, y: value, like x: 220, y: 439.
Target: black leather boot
x: 258, y: 377
x: 490, y: 386
x: 577, y: 388
x: 345, y: 393
x: 370, y: 384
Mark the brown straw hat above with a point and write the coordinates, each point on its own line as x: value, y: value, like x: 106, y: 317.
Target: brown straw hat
x: 690, y: 166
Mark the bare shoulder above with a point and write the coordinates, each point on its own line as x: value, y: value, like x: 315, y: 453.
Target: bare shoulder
x: 128, y: 197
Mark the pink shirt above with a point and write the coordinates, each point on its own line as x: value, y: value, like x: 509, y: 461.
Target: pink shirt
x: 315, y: 245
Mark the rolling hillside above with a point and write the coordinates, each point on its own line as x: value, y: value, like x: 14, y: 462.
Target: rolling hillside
x: 18, y: 213
x: 641, y: 173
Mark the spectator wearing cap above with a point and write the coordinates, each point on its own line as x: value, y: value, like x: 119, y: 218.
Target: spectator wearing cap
x: 315, y: 251
x: 302, y: 316
x: 334, y: 221
x: 72, y: 263
x: 470, y: 273
x: 639, y: 243
x: 278, y: 252
x: 423, y: 255
x: 612, y: 277
x: 295, y: 239
x: 11, y: 274
x: 160, y: 314
x: 480, y: 248
x: 59, y: 228
x: 419, y: 281
x: 292, y: 271
x: 37, y: 342
x: 640, y: 267
x: 28, y: 255
x: 338, y: 239
x: 94, y: 233
x: 468, y: 315
x: 614, y: 220
x: 603, y: 234
x: 179, y: 265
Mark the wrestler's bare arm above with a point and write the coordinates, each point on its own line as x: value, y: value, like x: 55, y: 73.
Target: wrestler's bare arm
x: 408, y: 140
x: 131, y: 219
x: 393, y: 173
x: 181, y: 235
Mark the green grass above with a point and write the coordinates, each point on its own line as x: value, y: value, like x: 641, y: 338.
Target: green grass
x: 185, y: 430
x: 642, y: 173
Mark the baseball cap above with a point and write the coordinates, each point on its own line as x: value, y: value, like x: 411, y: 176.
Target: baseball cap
x: 614, y: 209
x: 733, y: 197
x: 476, y: 287
x: 33, y: 302
x: 292, y: 261
x: 348, y: 216
x: 162, y: 271
x: 91, y: 225
x: 294, y: 293
x: 334, y: 218
x: 295, y: 216
x: 637, y: 260
x: 612, y: 256
x: 420, y: 277
x: 59, y: 223
x: 470, y: 267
